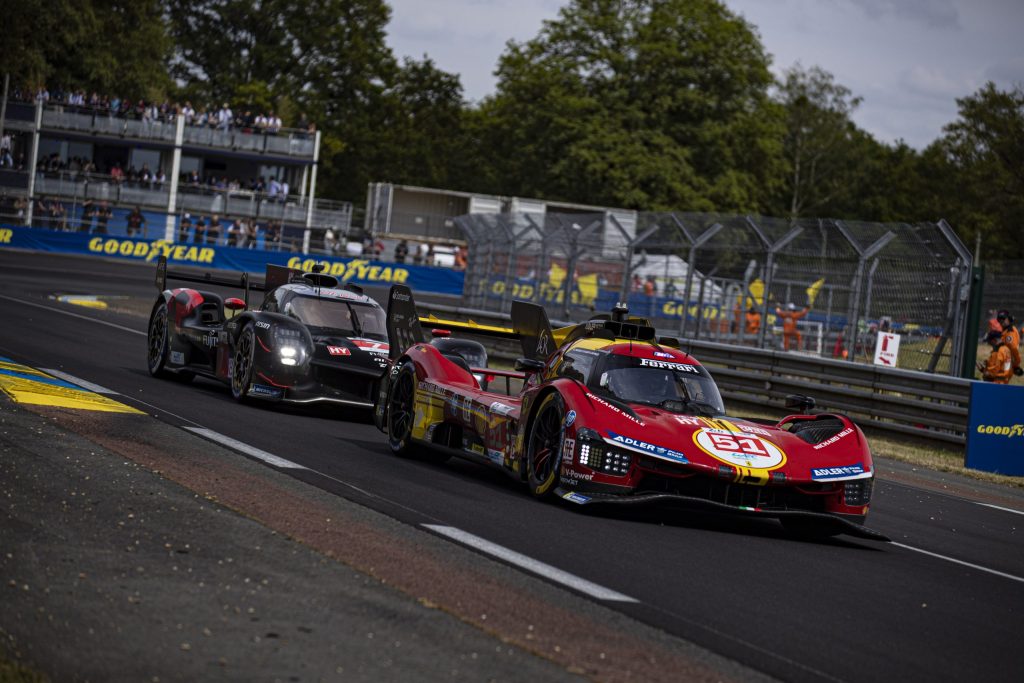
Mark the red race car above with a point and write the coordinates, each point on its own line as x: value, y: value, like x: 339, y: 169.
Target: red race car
x: 610, y: 414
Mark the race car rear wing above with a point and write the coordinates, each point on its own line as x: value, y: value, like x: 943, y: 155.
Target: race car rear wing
x: 242, y: 281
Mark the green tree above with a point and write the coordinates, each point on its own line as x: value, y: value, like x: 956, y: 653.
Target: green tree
x: 982, y: 155
x: 639, y: 103
x: 110, y: 46
x: 823, y: 148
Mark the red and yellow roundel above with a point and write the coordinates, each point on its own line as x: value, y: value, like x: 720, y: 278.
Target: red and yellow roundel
x: 723, y: 441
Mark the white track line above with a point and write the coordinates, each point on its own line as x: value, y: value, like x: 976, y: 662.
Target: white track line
x: 529, y: 564
x: 997, y: 507
x: 956, y: 561
x: 88, y: 386
x: 73, y: 315
x: 244, y: 448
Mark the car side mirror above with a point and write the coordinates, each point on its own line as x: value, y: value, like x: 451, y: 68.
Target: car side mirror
x: 234, y: 304
x: 799, y: 402
x: 528, y: 365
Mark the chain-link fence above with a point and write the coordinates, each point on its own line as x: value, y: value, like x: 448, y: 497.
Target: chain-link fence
x: 824, y: 287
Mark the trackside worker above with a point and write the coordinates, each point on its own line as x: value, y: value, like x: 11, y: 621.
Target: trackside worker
x: 753, y: 321
x: 790, y: 333
x: 998, y: 367
x: 1011, y: 339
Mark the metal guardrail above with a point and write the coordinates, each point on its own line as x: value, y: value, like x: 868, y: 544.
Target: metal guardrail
x: 928, y: 407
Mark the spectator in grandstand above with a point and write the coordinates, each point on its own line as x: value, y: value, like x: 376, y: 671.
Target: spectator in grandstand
x: 199, y: 234
x: 273, y: 124
x: 753, y: 321
x: 159, y: 178
x: 273, y: 189
x: 57, y: 215
x: 1011, y: 339
x: 637, y: 285
x: 235, y: 233
x: 401, y: 251
x: 790, y: 334
x: 282, y: 194
x: 188, y: 112
x: 251, y: 234
x: 999, y: 366
x: 103, y: 216
x: 184, y: 228
x: 88, y: 214
x: 429, y: 259
x: 136, y: 222
x: 116, y: 174
x: 213, y: 230
x: 224, y: 118
x: 649, y: 288
x: 272, y: 238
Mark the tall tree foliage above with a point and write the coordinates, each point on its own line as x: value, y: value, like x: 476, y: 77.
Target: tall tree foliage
x: 329, y: 60
x: 638, y: 103
x: 984, y: 150
x: 823, y: 148
x: 110, y: 46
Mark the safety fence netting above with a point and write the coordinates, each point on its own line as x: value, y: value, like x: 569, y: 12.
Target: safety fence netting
x: 813, y: 286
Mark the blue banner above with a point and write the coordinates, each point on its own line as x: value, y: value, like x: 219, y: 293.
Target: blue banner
x: 995, y: 429
x: 360, y: 271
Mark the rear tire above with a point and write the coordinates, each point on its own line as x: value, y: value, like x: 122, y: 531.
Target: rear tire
x: 242, y: 364
x: 157, y: 341
x: 544, y: 446
x: 402, y: 410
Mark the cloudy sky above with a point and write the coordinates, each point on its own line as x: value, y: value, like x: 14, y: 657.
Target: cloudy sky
x: 908, y: 59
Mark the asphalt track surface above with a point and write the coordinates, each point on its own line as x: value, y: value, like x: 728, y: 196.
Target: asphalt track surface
x: 945, y: 601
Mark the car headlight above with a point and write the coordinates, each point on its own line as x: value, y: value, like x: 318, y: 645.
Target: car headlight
x: 598, y: 456
x: 291, y: 347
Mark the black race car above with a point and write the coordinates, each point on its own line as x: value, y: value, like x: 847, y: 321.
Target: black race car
x: 309, y: 341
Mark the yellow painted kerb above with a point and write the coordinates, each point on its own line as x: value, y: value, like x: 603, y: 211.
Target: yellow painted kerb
x: 30, y: 386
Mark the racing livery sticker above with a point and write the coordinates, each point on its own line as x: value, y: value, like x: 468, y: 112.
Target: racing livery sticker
x: 264, y: 390
x: 574, y: 497
x: 666, y: 365
x: 820, y: 473
x: 338, y: 351
x: 570, y: 417
x: 663, y: 354
x: 738, y: 448
x: 644, y: 447
x: 177, y: 357
x: 568, y: 448
x: 372, y: 346
x: 833, y: 439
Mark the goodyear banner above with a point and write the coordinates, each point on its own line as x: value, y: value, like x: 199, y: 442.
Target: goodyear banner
x: 995, y: 429
x: 359, y: 271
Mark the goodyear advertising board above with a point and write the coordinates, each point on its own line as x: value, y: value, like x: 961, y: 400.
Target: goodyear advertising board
x: 995, y: 429
x: 359, y: 271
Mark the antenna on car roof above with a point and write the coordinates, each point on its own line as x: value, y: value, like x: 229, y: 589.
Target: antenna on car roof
x: 620, y: 311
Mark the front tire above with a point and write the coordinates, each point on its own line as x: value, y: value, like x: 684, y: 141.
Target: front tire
x: 544, y: 446
x: 242, y: 364
x: 401, y: 410
x: 157, y: 341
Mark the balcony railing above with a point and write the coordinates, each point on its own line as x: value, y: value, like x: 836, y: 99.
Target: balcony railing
x: 191, y: 199
x: 286, y: 142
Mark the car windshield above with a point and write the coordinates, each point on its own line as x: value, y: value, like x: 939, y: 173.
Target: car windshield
x: 473, y: 353
x: 346, y: 317
x: 673, y: 386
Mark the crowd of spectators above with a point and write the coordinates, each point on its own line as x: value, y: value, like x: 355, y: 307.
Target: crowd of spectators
x: 221, y: 117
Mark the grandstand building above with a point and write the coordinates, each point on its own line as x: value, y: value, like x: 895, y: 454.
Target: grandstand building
x: 83, y: 158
